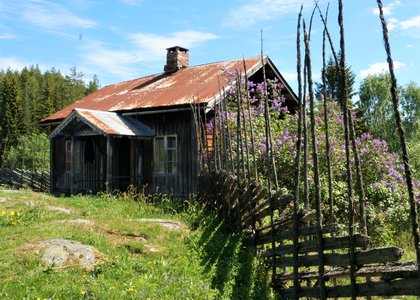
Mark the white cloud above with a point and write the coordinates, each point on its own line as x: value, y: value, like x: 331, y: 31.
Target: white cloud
x: 105, y: 60
x: 132, y: 2
x: 379, y: 68
x: 7, y: 36
x: 13, y: 63
x: 51, y: 15
x: 250, y: 13
x: 141, y: 49
x: 17, y: 64
x: 411, y: 23
x: 387, y: 9
x: 289, y: 76
x: 153, y: 46
x: 392, y: 23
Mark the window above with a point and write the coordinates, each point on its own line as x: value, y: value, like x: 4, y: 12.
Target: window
x: 165, y: 154
x: 68, y: 156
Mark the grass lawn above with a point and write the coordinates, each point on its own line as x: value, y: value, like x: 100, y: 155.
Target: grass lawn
x: 140, y: 260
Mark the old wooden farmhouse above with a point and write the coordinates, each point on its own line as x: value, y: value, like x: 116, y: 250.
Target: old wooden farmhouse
x: 141, y: 132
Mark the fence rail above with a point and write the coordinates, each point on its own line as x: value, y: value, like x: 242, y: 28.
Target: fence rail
x: 36, y: 180
x: 248, y: 206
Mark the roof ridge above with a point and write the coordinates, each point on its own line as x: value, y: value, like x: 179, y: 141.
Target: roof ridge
x: 226, y: 61
x: 94, y: 110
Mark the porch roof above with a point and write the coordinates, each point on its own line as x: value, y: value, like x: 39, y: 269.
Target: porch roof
x: 102, y: 123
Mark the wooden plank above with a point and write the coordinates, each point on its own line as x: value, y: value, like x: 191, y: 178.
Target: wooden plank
x: 385, y: 272
x: 279, y: 204
x: 287, y: 221
x: 360, y: 240
x: 72, y: 165
x: 378, y: 255
x: 304, y: 230
x: 403, y: 287
x: 109, y: 160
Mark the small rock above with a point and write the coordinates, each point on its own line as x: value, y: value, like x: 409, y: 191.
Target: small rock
x: 4, y: 199
x: 60, y: 252
x: 78, y: 221
x: 151, y: 248
x: 30, y: 203
x: 55, y: 256
x: 60, y: 209
x: 10, y: 191
x: 169, y: 224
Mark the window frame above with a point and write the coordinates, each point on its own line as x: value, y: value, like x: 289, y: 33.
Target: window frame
x: 165, y: 166
x: 67, y: 159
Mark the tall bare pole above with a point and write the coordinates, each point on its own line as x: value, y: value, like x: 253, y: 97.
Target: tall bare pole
x: 223, y: 131
x: 269, y: 165
x: 317, y: 192
x: 240, y: 121
x: 269, y: 143
x: 215, y: 137
x: 327, y: 134
x: 229, y: 137
x: 244, y: 89
x: 407, y: 169
x: 296, y: 285
x: 344, y: 103
x: 251, y: 129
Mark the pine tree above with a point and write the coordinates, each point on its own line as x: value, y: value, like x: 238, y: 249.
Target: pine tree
x: 12, y: 118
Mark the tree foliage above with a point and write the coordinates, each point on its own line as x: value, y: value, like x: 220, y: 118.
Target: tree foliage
x: 28, y: 96
x: 333, y: 80
x: 377, y: 111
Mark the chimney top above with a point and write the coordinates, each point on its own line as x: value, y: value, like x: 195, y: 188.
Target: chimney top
x: 174, y: 48
x: 176, y: 58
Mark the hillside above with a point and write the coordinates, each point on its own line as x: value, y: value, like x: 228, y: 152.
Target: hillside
x: 113, y: 247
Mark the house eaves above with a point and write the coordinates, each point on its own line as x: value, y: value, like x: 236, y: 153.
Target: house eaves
x: 106, y: 124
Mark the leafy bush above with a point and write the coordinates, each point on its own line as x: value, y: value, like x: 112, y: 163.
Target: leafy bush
x: 386, y: 196
x: 32, y: 152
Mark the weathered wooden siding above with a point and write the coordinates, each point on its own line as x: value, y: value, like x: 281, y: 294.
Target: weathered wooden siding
x: 181, y: 124
x: 89, y: 172
x: 60, y: 180
x: 132, y: 160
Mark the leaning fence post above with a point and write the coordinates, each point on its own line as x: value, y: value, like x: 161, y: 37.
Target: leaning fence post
x: 318, y: 204
x: 407, y: 169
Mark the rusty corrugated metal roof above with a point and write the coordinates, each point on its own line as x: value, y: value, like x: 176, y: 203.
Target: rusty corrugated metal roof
x: 106, y: 123
x: 198, y: 84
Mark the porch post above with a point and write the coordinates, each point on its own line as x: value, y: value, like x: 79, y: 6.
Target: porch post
x: 52, y: 166
x: 109, y: 163
x: 133, y: 167
x: 72, y: 166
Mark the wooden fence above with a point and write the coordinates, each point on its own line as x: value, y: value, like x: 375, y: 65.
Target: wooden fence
x: 38, y: 181
x: 269, y: 221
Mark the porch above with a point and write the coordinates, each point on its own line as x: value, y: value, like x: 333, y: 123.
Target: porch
x: 93, y: 151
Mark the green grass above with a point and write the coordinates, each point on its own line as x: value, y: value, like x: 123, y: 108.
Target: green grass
x: 203, y: 261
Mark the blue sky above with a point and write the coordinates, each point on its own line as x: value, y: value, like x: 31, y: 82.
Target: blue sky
x: 126, y: 39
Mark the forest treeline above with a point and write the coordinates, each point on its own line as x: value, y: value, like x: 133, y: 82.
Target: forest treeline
x: 26, y: 97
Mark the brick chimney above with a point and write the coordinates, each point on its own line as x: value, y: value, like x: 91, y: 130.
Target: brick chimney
x: 176, y: 58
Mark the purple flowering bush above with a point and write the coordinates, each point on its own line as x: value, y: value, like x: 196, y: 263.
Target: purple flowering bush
x: 387, y: 207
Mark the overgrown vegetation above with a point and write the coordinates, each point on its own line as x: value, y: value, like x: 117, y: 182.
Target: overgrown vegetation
x: 203, y: 261
x: 383, y: 173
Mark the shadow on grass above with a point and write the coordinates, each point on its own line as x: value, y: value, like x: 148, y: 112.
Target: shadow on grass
x: 236, y: 271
